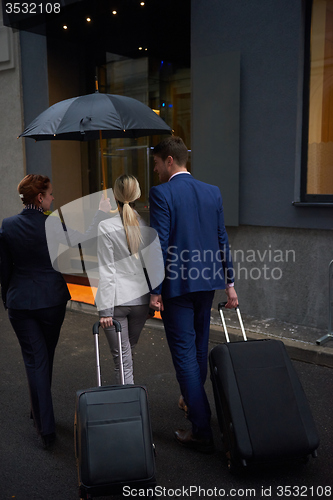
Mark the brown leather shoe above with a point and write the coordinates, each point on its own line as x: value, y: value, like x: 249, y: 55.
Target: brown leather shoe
x: 187, y: 439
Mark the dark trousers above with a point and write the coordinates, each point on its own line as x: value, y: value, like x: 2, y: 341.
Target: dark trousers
x: 186, y: 321
x: 132, y: 319
x: 38, y: 333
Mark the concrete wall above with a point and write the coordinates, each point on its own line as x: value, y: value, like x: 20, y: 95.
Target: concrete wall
x: 282, y: 273
x: 215, y: 126
x: 34, y: 76
x: 12, y: 168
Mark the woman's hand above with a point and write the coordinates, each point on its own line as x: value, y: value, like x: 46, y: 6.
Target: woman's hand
x: 105, y: 204
x: 106, y: 322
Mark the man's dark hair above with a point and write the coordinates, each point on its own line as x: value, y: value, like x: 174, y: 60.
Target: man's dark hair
x: 172, y: 146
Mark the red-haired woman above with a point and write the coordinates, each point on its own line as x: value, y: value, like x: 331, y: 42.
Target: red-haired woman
x: 35, y: 294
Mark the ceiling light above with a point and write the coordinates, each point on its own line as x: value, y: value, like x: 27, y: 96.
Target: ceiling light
x: 114, y: 12
x: 65, y: 27
x: 140, y: 48
x: 88, y: 19
x: 142, y: 4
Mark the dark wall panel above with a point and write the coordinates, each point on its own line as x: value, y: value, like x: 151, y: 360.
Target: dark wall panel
x: 215, y: 127
x: 269, y: 36
x: 35, y: 99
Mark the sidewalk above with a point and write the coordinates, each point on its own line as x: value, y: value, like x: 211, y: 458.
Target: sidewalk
x: 300, y: 341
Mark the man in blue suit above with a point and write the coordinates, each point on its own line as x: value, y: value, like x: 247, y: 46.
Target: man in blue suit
x: 188, y: 216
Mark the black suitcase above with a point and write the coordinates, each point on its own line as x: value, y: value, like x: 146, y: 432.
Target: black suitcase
x: 261, y: 407
x: 113, y: 437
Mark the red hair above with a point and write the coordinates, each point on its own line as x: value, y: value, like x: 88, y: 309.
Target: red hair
x: 31, y: 186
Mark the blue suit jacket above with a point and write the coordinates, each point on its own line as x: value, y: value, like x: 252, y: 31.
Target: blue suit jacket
x: 28, y: 280
x: 188, y: 216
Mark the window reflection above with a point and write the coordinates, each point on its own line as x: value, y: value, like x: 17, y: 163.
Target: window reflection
x: 320, y: 146
x: 163, y: 87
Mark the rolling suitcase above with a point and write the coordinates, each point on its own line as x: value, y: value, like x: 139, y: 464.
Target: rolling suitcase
x: 113, y: 437
x: 261, y: 407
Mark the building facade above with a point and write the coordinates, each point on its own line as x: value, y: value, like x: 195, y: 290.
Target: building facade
x: 255, y: 59
x: 244, y: 83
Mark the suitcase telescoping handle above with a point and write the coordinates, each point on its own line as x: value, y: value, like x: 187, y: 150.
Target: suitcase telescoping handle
x: 117, y: 326
x: 220, y: 308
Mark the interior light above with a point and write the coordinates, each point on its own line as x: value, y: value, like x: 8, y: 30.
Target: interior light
x: 88, y: 19
x: 114, y: 12
x: 65, y: 27
x: 146, y: 48
x: 142, y: 4
x: 140, y: 48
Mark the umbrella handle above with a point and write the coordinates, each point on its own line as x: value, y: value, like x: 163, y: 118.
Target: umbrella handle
x: 101, y: 146
x: 103, y: 164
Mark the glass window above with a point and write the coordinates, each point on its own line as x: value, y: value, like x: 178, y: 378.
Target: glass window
x: 319, y: 178
x: 166, y: 88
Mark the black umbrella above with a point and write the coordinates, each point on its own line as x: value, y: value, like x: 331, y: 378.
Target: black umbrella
x: 82, y: 118
x: 96, y: 116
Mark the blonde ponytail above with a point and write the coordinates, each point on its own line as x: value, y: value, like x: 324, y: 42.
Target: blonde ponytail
x: 126, y: 191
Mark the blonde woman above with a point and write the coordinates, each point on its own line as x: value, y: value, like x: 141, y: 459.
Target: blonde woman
x: 122, y: 291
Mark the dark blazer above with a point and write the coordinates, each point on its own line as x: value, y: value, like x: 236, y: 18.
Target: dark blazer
x: 28, y: 280
x: 188, y: 216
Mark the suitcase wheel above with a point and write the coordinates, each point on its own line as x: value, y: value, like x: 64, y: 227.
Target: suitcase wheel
x: 232, y: 467
x: 235, y: 467
x: 84, y: 495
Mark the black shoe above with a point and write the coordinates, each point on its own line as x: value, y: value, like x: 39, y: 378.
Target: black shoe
x: 187, y: 439
x: 48, y: 440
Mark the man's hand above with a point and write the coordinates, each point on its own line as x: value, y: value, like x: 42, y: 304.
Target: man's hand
x: 156, y: 302
x: 151, y: 313
x: 232, y: 298
x: 106, y: 322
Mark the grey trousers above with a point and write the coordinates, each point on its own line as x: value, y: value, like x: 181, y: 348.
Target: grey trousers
x: 132, y: 320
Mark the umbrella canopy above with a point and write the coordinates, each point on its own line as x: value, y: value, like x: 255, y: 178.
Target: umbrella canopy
x: 91, y: 116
